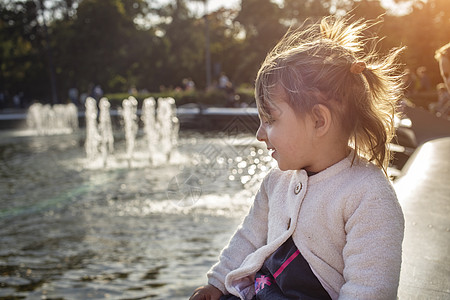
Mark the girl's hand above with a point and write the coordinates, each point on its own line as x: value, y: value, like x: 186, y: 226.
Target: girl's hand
x: 207, y: 292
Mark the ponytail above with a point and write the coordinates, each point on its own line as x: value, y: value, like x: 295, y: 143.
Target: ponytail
x: 374, y: 126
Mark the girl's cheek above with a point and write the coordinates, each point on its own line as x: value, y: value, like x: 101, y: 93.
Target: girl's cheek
x: 269, y: 130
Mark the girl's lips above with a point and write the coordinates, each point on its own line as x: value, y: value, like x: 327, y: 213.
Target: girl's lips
x: 271, y: 152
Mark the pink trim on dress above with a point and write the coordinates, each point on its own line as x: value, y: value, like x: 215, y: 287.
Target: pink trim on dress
x: 286, y: 263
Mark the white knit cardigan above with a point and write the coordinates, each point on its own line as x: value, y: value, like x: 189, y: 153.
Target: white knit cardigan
x: 346, y: 222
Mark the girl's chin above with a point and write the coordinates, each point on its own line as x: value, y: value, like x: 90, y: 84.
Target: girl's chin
x: 284, y: 167
x: 281, y: 166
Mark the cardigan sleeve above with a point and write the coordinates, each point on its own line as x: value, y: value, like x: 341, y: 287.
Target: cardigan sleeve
x: 372, y: 253
x: 250, y: 235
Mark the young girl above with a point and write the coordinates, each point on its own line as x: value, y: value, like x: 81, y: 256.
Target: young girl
x: 326, y: 224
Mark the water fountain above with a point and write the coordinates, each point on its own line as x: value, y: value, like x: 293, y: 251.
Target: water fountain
x: 146, y: 229
x: 92, y: 135
x: 167, y: 125
x: 150, y: 127
x: 105, y: 130
x: 129, y: 113
x: 48, y: 120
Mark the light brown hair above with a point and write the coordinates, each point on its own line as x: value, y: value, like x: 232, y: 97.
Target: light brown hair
x: 326, y: 63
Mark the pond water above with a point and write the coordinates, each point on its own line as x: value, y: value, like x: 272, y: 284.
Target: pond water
x: 70, y: 229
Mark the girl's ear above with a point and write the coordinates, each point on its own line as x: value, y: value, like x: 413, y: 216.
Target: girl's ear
x: 321, y: 116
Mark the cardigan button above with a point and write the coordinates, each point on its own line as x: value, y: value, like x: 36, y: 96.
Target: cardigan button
x: 298, y: 188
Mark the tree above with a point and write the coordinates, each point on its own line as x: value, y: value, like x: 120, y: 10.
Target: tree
x: 295, y: 12
x: 124, y: 43
x: 260, y: 21
x: 224, y: 42
x: 184, y: 36
x: 101, y: 45
x: 424, y: 30
x: 21, y: 62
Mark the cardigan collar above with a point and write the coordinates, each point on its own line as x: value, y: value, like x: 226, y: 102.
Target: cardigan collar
x: 334, y: 169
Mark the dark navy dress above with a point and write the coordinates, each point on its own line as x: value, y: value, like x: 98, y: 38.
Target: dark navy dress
x: 286, y: 275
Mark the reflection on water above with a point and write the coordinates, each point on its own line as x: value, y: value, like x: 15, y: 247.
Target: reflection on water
x: 70, y: 230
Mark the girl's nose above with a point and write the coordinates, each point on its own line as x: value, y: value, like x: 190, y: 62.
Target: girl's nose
x: 261, y: 133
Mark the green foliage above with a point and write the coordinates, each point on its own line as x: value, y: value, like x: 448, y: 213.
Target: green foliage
x: 20, y: 50
x: 99, y: 42
x: 426, y: 29
x: 296, y: 12
x: 260, y: 20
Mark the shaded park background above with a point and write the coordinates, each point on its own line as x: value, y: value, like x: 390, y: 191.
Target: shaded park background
x: 71, y: 230
x: 50, y: 46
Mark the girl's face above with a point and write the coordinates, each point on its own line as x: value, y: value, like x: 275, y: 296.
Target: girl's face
x: 288, y: 134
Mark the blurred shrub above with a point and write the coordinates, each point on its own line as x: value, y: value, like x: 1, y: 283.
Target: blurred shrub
x: 213, y: 97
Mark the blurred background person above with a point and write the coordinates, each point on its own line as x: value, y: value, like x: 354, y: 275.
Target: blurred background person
x: 423, y: 81
x: 409, y: 82
x: 442, y: 107
x: 443, y: 57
